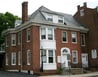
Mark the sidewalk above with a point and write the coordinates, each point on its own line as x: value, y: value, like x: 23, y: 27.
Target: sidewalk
x: 93, y: 74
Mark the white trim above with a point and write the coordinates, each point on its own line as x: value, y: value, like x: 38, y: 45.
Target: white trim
x: 75, y: 37
x: 19, y: 57
x: 7, y: 60
x: 73, y: 56
x: 46, y: 29
x: 28, y: 57
x: 83, y: 40
x: 13, y: 57
x: 28, y: 33
x: 13, y: 38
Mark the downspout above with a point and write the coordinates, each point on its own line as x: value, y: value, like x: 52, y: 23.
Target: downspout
x: 21, y: 50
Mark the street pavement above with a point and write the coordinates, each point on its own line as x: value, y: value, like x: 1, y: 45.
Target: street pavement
x: 93, y: 74
x: 15, y: 74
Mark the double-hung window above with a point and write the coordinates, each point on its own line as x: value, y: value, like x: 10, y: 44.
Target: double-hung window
x: 50, y: 17
x: 19, y: 38
x: 7, y: 58
x: 47, y: 33
x: 13, y: 40
x: 28, y: 35
x: 50, y: 34
x: 60, y: 19
x: 19, y: 58
x: 13, y: 57
x: 48, y: 56
x: 44, y: 56
x: 28, y: 57
x: 82, y: 39
x: 7, y: 41
x: 94, y: 53
x: 64, y: 36
x: 43, y: 33
x: 74, y: 37
x: 75, y: 56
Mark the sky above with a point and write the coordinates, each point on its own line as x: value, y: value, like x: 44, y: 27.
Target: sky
x: 64, y: 6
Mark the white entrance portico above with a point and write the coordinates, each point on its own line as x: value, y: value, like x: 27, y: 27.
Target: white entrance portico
x: 65, y: 57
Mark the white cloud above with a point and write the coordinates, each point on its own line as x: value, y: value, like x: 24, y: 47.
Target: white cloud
x: 65, y: 6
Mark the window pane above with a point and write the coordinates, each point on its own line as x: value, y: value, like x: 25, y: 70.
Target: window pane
x: 60, y: 19
x: 74, y: 37
x: 50, y: 56
x: 7, y: 58
x: 13, y: 58
x: 50, y: 53
x: 75, y: 56
x: 50, y: 34
x: 19, y: 38
x: 83, y: 39
x: 28, y: 35
x: 50, y: 59
x: 13, y: 39
x: 43, y: 33
x: 43, y: 56
x: 64, y: 36
x: 28, y: 57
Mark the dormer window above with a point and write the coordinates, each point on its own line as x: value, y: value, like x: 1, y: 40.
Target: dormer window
x: 82, y: 12
x: 49, y: 17
x: 60, y: 19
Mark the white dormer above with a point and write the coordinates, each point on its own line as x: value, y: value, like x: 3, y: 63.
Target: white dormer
x: 54, y: 18
x: 18, y: 22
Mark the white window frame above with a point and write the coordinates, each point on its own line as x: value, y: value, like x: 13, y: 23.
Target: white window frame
x: 50, y: 17
x: 66, y: 36
x: 28, y: 57
x: 75, y: 56
x: 28, y: 35
x: 19, y: 58
x: 13, y: 58
x: 94, y: 53
x: 74, y: 37
x: 60, y: 18
x: 7, y: 60
x: 82, y: 39
x: 6, y: 41
x: 46, y: 33
x: 47, y: 56
x: 19, y: 38
x: 13, y: 38
x: 82, y: 12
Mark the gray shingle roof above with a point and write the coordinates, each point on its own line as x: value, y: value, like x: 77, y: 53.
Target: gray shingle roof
x: 68, y: 19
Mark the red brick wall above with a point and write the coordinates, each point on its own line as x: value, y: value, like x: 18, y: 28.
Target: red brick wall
x: 90, y: 20
x: 69, y: 45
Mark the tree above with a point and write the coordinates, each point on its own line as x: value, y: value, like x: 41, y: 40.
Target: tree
x: 7, y: 20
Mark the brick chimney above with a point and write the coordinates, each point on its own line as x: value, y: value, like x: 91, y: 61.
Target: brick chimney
x: 78, y: 7
x: 24, y: 12
x: 85, y: 4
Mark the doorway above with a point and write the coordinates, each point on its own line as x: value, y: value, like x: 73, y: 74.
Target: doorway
x: 65, y: 58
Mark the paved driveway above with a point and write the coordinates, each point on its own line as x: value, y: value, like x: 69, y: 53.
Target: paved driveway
x: 15, y: 74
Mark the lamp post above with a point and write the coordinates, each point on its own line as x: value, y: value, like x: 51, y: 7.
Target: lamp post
x: 41, y: 68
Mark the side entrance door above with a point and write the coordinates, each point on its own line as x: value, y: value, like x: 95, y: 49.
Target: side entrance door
x: 84, y: 60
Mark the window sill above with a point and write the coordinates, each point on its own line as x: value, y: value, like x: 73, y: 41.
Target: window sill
x: 13, y: 64
x: 13, y: 45
x: 28, y: 41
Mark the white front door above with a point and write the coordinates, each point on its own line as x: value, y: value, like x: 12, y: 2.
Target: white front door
x: 64, y: 61
x: 65, y: 58
x: 84, y: 60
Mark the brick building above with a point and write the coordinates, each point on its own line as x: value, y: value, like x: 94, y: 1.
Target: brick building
x: 89, y: 18
x: 45, y: 39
